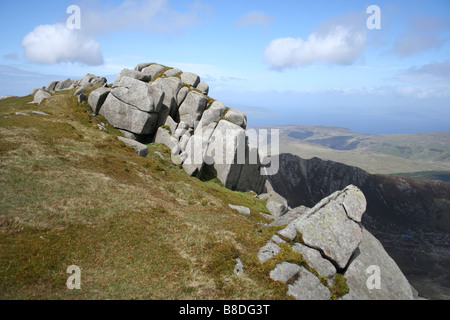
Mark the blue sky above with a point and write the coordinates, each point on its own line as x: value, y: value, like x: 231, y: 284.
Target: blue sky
x: 283, y: 63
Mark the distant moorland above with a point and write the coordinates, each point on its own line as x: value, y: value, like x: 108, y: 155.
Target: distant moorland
x: 421, y: 156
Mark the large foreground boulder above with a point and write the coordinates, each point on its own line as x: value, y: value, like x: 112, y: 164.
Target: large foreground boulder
x: 142, y: 96
x: 329, y: 228
x: 127, y: 117
x: 333, y: 243
x: 40, y: 95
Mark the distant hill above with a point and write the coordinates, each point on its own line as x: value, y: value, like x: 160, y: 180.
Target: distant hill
x: 422, y: 156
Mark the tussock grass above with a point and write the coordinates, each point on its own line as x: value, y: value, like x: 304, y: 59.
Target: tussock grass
x: 139, y: 228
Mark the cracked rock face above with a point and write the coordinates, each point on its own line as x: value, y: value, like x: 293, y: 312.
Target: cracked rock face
x: 328, y: 228
x: 127, y: 117
x: 354, y: 203
x: 315, y: 260
x: 142, y: 96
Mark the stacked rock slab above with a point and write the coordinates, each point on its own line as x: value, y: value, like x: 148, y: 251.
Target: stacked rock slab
x: 133, y: 106
x: 87, y: 81
x: 332, y: 240
x: 154, y: 103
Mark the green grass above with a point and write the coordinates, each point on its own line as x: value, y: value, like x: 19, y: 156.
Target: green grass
x: 161, y: 73
x: 139, y: 228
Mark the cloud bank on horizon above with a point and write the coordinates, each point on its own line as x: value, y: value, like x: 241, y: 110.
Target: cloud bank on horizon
x: 277, y: 61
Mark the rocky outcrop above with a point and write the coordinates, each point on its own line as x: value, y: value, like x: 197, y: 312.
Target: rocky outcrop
x: 40, y: 95
x: 331, y: 241
x: 89, y: 80
x: 409, y: 217
x: 126, y: 117
x: 315, y: 260
x: 82, y: 84
x: 154, y: 103
x: 132, y: 105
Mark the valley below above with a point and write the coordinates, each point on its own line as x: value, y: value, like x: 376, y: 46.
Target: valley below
x: 423, y: 156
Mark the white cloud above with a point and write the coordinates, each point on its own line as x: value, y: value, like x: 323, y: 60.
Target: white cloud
x: 50, y: 44
x: 255, y: 18
x: 338, y: 42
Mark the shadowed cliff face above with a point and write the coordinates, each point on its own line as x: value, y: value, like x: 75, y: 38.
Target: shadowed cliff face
x: 306, y: 182
x: 410, y: 217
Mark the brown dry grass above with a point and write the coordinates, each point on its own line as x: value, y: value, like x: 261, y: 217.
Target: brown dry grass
x: 139, y: 228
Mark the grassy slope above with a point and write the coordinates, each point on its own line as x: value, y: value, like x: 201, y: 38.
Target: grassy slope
x: 139, y: 228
